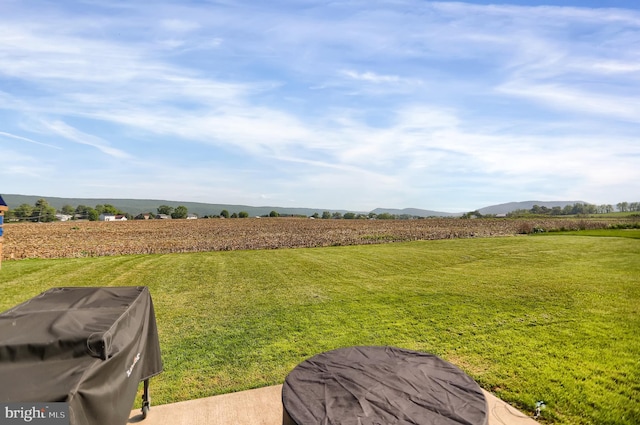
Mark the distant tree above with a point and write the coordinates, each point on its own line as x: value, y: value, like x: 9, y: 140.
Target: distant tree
x: 23, y: 212
x: 234, y: 215
x: 372, y: 215
x: 274, y: 214
x: 224, y: 213
x: 623, y: 206
x: 473, y: 214
x: 107, y: 209
x: 81, y: 210
x: 336, y: 215
x: 180, y: 212
x: 87, y: 213
x: 92, y: 214
x: 349, y: 216
x: 582, y: 208
x: 315, y: 215
x: 165, y: 209
x: 67, y: 209
x: 385, y: 216
x: 634, y: 206
x: 326, y: 214
x: 243, y: 214
x: 42, y: 211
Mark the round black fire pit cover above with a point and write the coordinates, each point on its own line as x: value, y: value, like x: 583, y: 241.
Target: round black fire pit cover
x: 380, y: 386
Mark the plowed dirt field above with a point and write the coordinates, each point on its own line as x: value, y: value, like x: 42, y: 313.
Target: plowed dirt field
x: 82, y: 239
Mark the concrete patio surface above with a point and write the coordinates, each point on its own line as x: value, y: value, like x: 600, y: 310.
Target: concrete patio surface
x: 263, y: 406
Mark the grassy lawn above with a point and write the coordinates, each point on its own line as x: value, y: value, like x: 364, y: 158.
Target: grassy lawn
x: 608, y: 233
x: 553, y: 318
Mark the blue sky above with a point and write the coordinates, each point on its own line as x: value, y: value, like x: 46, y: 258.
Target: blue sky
x: 448, y: 106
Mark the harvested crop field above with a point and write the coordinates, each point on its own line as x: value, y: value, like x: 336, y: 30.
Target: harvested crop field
x: 87, y: 239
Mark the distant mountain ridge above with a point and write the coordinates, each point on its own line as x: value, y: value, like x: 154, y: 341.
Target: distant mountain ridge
x: 415, y: 212
x: 138, y: 206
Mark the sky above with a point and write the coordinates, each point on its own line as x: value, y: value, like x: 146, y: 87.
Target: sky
x: 353, y: 105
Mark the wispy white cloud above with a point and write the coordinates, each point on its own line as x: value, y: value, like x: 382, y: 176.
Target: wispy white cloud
x: 565, y: 97
x: 179, y: 25
x: 26, y: 139
x: 615, y: 67
x: 73, y: 134
x: 18, y: 167
x: 372, y: 77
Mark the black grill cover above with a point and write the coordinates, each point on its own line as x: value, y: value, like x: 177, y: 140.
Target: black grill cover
x: 89, y: 347
x: 380, y: 386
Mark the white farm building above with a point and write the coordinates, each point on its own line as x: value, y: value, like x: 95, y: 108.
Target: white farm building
x: 112, y: 217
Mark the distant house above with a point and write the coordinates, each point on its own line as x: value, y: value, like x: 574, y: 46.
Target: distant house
x: 192, y: 216
x: 145, y: 216
x: 112, y: 217
x: 163, y: 216
x: 63, y: 217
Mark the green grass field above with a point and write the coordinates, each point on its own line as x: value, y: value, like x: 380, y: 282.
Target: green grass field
x: 553, y: 318
x: 607, y: 233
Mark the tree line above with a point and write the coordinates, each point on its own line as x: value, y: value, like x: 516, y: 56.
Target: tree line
x: 578, y: 208
x: 41, y: 211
